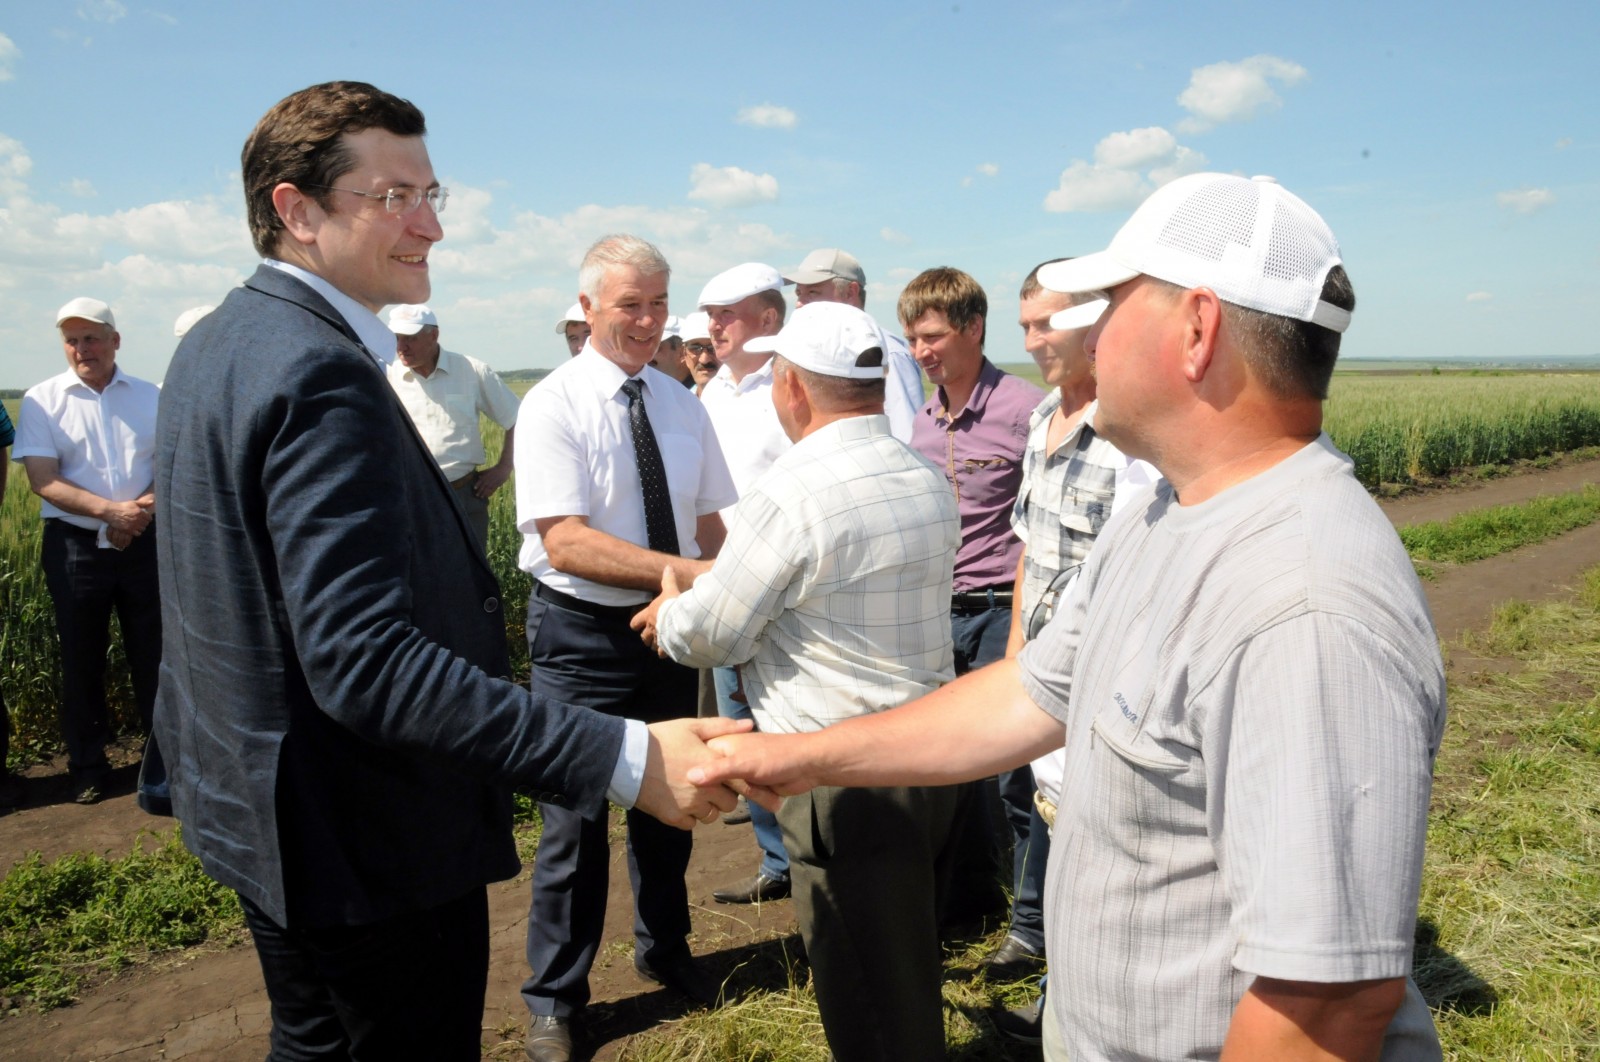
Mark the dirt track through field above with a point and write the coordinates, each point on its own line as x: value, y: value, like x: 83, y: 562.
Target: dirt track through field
x: 211, y: 1005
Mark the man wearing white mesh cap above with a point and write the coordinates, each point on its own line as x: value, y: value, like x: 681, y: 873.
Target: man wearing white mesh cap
x: 1246, y: 671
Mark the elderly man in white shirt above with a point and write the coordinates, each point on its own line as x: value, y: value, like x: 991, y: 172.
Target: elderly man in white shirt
x: 87, y: 441
x: 833, y: 591
x: 444, y: 392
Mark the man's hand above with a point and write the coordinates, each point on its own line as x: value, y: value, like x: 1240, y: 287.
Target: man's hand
x: 490, y: 480
x: 118, y: 539
x: 763, y: 767
x: 644, y: 621
x: 129, y: 517
x: 676, y: 746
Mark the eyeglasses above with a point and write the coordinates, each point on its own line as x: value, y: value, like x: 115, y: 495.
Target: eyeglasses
x: 400, y: 201
x: 699, y: 349
x: 1050, y: 600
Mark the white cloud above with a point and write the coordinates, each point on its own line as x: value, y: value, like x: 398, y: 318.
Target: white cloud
x: 1135, y: 148
x: 1479, y: 296
x: 989, y: 169
x: 1526, y: 200
x: 101, y: 11
x: 9, y: 54
x: 1127, y: 167
x: 1086, y: 187
x: 1564, y: 143
x: 966, y: 182
x: 162, y: 16
x: 107, y: 11
x: 81, y: 188
x: 889, y: 235
x: 729, y: 186
x: 1235, y: 92
x: 767, y: 116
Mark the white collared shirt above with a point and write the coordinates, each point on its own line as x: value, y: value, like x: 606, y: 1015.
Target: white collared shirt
x: 104, y: 441
x: 372, y: 332
x: 444, y: 405
x: 747, y: 425
x: 574, y: 457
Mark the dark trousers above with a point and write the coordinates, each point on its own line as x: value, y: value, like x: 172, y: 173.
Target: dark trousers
x: 594, y: 659
x: 86, y: 583
x: 866, y: 866
x: 411, y: 986
x: 980, y: 831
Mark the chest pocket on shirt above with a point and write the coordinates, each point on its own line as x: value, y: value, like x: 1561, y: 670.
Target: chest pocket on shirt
x: 1085, y: 510
x: 1122, y: 720
x: 681, y: 457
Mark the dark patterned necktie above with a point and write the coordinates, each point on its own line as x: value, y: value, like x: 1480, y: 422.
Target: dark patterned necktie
x: 659, y: 525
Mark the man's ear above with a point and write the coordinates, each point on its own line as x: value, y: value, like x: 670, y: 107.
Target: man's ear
x: 973, y: 329
x: 301, y: 215
x: 1201, y: 315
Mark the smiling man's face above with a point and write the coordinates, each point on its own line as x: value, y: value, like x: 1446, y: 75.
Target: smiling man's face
x: 628, y: 316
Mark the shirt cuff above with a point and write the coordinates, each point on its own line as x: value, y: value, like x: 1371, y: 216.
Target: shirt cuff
x: 628, y: 775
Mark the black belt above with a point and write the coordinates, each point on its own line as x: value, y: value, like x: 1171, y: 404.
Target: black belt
x: 66, y: 527
x: 989, y: 597
x: 587, y: 608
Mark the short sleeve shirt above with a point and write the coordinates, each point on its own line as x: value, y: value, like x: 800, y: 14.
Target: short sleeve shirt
x: 574, y: 457
x: 444, y: 406
x: 104, y: 442
x: 1253, y: 697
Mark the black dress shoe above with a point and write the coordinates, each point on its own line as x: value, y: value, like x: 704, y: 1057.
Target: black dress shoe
x: 1023, y: 1024
x: 549, y: 1039
x: 1013, y: 961
x: 761, y: 887
x: 684, y: 976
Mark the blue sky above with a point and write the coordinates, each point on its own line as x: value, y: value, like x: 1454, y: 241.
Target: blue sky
x: 1456, y: 155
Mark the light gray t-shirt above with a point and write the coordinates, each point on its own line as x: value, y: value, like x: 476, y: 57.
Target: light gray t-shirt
x: 1253, y: 698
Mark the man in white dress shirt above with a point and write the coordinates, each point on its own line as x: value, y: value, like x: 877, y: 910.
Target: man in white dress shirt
x: 86, y: 439
x: 445, y: 392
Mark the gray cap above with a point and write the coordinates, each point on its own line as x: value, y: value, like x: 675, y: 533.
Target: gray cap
x: 828, y: 263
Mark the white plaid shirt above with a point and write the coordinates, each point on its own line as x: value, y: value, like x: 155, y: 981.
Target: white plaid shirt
x: 833, y: 584
x: 1064, y: 500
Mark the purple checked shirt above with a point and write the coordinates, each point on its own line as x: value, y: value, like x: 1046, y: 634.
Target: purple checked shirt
x: 980, y: 450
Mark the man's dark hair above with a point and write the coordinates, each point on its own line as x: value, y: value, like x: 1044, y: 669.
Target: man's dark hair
x: 772, y: 299
x: 833, y: 394
x: 1293, y: 358
x: 301, y: 141
x: 950, y: 291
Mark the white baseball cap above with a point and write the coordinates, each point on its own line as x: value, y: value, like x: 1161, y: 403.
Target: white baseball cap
x: 86, y: 309
x: 828, y: 338
x: 695, y: 326
x: 188, y: 319
x: 673, y: 329
x: 1081, y: 315
x: 740, y: 282
x: 408, y: 319
x: 574, y: 314
x: 1250, y: 240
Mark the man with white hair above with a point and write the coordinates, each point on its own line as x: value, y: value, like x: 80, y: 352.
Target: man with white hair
x: 445, y: 392
x: 833, y: 592
x: 574, y: 328
x: 86, y: 439
x: 619, y: 476
x: 1247, y: 674
x: 831, y: 275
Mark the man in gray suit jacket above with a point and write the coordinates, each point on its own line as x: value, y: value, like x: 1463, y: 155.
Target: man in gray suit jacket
x: 335, y: 701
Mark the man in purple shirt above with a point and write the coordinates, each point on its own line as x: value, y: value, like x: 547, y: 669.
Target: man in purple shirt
x: 975, y: 427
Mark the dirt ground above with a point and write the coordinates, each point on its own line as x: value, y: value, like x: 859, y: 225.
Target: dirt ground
x: 209, y: 1004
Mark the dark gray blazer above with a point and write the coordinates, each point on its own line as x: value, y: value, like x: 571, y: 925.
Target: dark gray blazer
x: 334, y: 710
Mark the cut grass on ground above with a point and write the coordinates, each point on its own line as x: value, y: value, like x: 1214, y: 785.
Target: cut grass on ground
x: 1509, y: 941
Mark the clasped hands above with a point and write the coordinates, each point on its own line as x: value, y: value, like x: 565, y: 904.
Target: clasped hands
x: 127, y: 520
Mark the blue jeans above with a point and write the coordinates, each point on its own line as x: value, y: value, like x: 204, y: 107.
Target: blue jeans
x: 774, y: 858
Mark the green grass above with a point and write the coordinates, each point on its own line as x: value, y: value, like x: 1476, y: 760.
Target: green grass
x: 83, y: 914
x: 1510, y: 941
x: 1483, y: 533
